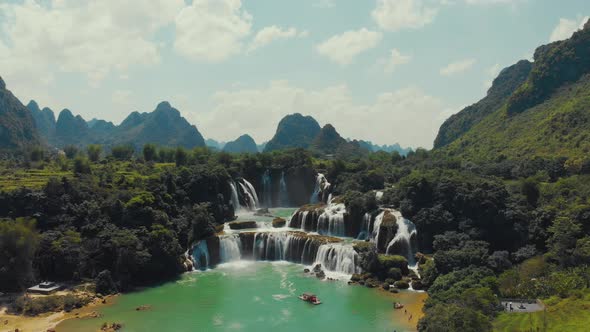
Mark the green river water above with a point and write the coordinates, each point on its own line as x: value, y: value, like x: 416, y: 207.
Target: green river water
x: 252, y: 296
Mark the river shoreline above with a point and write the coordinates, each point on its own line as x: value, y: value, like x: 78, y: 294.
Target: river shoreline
x: 49, y: 321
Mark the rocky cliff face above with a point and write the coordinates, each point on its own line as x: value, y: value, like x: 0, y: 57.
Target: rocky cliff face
x: 17, y: 126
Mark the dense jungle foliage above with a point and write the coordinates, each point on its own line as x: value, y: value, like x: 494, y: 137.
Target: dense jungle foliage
x: 512, y: 228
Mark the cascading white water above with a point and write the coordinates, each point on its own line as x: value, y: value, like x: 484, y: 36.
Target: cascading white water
x: 267, y: 188
x: 234, y: 196
x: 331, y: 222
x: 230, y: 248
x: 283, y: 193
x: 252, y: 192
x: 249, y: 197
x: 321, y: 185
x: 402, y: 241
x: 365, y: 232
x: 200, y: 255
x: 377, y: 226
x: 338, y: 257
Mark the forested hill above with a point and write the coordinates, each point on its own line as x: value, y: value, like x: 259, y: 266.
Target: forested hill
x: 17, y: 127
x: 547, y: 116
x: 164, y: 126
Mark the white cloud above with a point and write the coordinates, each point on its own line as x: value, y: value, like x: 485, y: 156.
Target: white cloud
x: 394, y: 15
x: 408, y: 116
x: 566, y: 28
x: 211, y: 30
x: 457, y: 67
x: 271, y: 33
x: 343, y: 48
x: 91, y: 37
x: 395, y: 59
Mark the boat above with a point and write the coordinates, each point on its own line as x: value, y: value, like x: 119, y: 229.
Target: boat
x: 311, y: 298
x: 397, y: 305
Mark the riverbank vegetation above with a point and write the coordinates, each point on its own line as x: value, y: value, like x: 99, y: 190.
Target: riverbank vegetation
x: 510, y: 228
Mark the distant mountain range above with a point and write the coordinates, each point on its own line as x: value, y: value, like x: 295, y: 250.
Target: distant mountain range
x: 22, y: 127
x: 164, y: 126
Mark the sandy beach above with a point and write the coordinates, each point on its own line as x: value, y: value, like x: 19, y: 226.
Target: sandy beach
x: 48, y: 321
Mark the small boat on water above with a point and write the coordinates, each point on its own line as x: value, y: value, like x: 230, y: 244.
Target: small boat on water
x: 311, y: 298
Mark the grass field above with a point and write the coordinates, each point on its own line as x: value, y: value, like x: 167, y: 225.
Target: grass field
x: 567, y: 315
x: 12, y: 178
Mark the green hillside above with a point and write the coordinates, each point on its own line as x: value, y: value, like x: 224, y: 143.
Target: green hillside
x: 547, y: 116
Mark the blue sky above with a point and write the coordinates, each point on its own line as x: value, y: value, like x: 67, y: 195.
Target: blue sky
x: 384, y: 70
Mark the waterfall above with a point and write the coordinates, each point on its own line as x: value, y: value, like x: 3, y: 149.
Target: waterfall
x: 365, y: 232
x: 321, y: 185
x: 230, y: 248
x: 251, y: 193
x: 201, y: 255
x: 234, y: 196
x: 404, y: 241
x: 267, y: 188
x: 331, y: 222
x: 377, y: 226
x: 283, y: 193
x: 338, y: 257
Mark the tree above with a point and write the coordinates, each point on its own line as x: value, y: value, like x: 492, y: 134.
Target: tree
x: 180, y: 156
x: 149, y: 152
x: 37, y: 153
x: 82, y: 166
x: 18, y: 243
x: 94, y: 151
x: 122, y: 152
x: 564, y: 234
x: 71, y: 151
x: 104, y: 283
x: 453, y: 318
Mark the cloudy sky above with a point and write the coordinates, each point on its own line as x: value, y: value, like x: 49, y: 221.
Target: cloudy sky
x: 383, y: 70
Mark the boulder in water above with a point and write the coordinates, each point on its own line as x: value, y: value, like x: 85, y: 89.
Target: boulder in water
x: 320, y: 275
x: 317, y: 268
x: 305, y: 270
x: 417, y: 285
x: 278, y: 222
x: 402, y: 284
x: 236, y: 225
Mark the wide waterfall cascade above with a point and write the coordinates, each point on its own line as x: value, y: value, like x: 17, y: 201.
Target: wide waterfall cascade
x: 283, y: 192
x: 230, y: 248
x: 235, y: 200
x: 404, y: 241
x: 252, y: 192
x: 267, y: 188
x: 331, y: 222
x: 321, y: 185
x: 338, y: 257
x: 200, y: 255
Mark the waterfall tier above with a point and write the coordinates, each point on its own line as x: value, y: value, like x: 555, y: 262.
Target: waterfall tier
x: 291, y: 246
x: 321, y: 190
x: 325, y: 220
